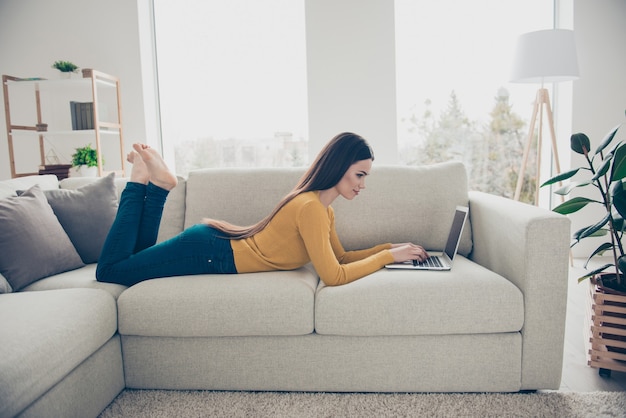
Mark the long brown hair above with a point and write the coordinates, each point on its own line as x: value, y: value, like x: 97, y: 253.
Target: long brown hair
x: 327, y: 170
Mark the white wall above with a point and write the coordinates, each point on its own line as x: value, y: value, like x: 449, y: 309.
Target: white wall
x: 600, y: 93
x: 599, y: 96
x: 351, y: 73
x: 90, y: 33
x: 347, y: 94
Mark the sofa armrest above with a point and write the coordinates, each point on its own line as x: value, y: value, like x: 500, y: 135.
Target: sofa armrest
x: 530, y: 247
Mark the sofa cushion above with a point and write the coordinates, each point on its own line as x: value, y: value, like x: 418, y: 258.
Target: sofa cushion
x: 270, y: 303
x: 33, y: 243
x: 86, y: 214
x: 399, y: 204
x: 45, y: 182
x: 6, y: 191
x: 46, y: 335
x: 469, y: 299
x: 8, y: 188
x: 84, y: 277
x: 210, y: 193
x: 405, y: 204
x: 173, y: 219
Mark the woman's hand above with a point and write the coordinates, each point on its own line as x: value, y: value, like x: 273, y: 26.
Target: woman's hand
x: 408, y: 251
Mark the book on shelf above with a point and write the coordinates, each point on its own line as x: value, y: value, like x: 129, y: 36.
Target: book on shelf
x: 82, y: 115
x: 60, y: 170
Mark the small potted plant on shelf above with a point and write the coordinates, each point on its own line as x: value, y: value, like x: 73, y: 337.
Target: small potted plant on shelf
x: 605, y: 172
x: 85, y: 162
x: 65, y: 67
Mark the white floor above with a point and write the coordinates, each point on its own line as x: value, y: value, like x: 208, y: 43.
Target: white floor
x: 577, y: 376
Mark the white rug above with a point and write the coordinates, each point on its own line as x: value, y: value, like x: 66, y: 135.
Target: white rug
x: 162, y: 403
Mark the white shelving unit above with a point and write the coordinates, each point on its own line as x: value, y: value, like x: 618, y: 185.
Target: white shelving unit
x: 93, y: 81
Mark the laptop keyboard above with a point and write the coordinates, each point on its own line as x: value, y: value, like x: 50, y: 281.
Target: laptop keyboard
x: 429, y: 262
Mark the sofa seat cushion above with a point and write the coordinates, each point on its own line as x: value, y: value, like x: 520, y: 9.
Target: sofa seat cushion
x: 467, y: 300
x: 45, y: 335
x: 84, y: 277
x: 270, y: 303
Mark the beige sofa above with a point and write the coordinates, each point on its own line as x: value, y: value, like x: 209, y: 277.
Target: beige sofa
x: 493, y: 323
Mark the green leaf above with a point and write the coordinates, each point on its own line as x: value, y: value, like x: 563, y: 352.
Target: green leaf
x: 619, y: 198
x: 569, y: 187
x: 607, y: 139
x: 618, y: 222
x: 604, y: 168
x: 580, y: 143
x: 576, y: 236
x: 599, y: 251
x: 85, y: 156
x: 560, y: 177
x: 594, y: 272
x: 594, y: 228
x: 573, y: 205
x: 618, y: 170
x: 64, y: 66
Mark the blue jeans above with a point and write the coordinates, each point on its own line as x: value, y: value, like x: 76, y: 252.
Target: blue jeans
x: 130, y: 253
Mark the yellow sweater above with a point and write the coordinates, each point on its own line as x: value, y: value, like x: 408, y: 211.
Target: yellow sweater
x: 304, y: 231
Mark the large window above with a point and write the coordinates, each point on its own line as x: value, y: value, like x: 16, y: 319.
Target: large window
x: 455, y: 101
x: 232, y: 82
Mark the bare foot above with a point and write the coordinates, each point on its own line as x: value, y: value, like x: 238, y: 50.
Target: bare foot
x: 160, y: 175
x: 139, y: 172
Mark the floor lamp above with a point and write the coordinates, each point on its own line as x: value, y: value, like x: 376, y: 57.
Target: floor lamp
x: 546, y: 56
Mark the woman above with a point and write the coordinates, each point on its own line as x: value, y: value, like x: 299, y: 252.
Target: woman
x: 299, y: 230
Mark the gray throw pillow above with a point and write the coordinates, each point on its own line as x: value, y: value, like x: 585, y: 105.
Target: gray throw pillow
x: 86, y: 214
x: 33, y: 243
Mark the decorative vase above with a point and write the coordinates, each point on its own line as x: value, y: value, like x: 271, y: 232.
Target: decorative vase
x: 84, y: 171
x: 65, y: 75
x: 607, y: 327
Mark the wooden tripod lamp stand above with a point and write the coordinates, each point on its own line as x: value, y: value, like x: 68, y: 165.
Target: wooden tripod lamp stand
x: 543, y: 56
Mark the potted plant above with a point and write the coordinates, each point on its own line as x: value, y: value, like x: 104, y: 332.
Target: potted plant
x: 605, y: 172
x: 85, y: 161
x: 66, y: 68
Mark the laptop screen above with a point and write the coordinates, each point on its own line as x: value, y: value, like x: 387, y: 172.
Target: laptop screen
x: 455, y: 231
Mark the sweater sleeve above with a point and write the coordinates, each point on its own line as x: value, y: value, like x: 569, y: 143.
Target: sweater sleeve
x: 317, y: 229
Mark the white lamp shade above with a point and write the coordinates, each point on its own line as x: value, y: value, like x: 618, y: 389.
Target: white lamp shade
x: 545, y: 56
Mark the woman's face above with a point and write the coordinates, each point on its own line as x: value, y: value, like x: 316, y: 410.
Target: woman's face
x: 353, y: 181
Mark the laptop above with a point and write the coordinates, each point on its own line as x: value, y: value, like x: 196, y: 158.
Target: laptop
x: 441, y: 261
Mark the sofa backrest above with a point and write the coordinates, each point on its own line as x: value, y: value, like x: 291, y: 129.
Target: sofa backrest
x: 242, y: 196
x: 11, y: 186
x: 399, y: 204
